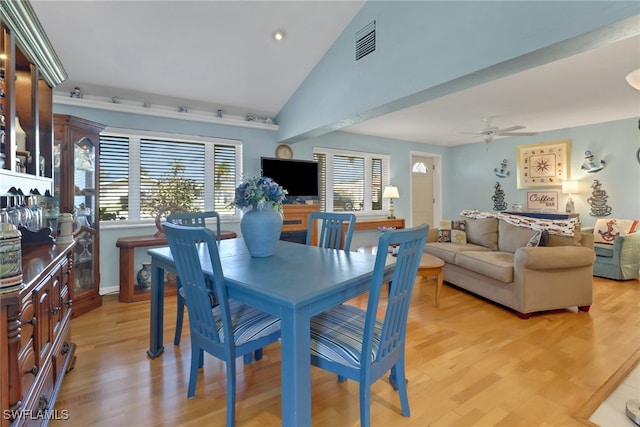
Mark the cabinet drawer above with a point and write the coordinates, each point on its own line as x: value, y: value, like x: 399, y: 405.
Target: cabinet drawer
x: 295, y: 222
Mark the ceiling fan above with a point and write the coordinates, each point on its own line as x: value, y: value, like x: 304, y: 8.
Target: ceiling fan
x: 490, y: 131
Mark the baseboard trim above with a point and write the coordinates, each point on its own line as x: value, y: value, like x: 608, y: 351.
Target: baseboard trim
x: 110, y: 290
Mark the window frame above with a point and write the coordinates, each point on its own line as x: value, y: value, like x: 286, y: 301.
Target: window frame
x: 368, y: 157
x: 134, y: 154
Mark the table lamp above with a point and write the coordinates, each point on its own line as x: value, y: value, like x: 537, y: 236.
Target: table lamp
x: 391, y: 192
x: 570, y: 187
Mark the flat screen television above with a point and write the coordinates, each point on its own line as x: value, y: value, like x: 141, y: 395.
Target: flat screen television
x: 300, y: 178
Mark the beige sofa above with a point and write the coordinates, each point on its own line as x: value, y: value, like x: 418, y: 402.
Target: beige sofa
x: 496, y: 263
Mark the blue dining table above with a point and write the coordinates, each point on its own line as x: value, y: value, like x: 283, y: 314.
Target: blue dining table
x: 295, y: 283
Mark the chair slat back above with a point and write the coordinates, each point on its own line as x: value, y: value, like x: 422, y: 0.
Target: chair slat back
x: 195, y: 219
x: 331, y: 229
x: 410, y: 244
x: 190, y: 248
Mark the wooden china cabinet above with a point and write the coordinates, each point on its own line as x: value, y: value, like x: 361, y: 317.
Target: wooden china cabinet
x: 36, y: 349
x: 75, y: 175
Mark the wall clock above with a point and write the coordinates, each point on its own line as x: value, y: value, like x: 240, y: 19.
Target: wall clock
x: 283, y: 151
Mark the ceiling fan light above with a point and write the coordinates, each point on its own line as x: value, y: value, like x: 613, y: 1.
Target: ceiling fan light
x: 488, y: 138
x: 633, y: 78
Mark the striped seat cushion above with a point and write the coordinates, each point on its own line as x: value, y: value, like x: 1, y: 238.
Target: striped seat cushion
x: 248, y: 323
x: 337, y: 335
x: 213, y: 298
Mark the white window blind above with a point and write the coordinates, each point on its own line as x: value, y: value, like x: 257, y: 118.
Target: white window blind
x: 160, y: 171
x: 139, y: 173
x: 225, y: 172
x: 114, y: 178
x: 351, y: 181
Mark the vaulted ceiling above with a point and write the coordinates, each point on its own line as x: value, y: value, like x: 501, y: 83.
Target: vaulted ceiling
x: 211, y: 55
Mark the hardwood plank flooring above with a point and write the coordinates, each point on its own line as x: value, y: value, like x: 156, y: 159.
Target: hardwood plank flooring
x: 469, y: 363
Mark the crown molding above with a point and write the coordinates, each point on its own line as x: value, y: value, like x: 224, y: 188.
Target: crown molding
x: 22, y: 20
x: 127, y: 106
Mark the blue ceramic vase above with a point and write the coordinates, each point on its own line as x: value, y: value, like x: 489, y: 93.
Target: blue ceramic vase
x: 144, y: 277
x: 261, y: 231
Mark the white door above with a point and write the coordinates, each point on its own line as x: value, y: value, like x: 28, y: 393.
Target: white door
x: 422, y: 193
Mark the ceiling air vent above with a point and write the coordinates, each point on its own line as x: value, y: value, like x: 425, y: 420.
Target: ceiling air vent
x: 366, y: 40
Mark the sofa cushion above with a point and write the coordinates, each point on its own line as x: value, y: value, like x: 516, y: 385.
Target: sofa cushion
x: 603, y: 250
x: 483, y: 232
x: 452, y: 231
x: 448, y: 251
x: 497, y: 265
x: 607, y: 229
x: 512, y: 237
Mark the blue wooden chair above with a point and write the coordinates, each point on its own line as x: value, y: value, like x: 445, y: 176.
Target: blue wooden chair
x: 228, y: 330
x: 353, y: 343
x: 331, y: 229
x: 190, y: 219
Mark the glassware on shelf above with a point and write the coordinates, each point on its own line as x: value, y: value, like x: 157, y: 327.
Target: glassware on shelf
x: 83, y: 215
x: 85, y: 241
x: 84, y: 157
x: 24, y: 211
x: 36, y: 217
x: 4, y: 216
x: 83, y: 280
x: 12, y: 211
x: 50, y: 213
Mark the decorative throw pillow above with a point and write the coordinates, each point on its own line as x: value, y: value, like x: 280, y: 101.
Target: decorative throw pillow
x: 607, y: 229
x: 535, y: 240
x: 452, y: 231
x: 544, y: 238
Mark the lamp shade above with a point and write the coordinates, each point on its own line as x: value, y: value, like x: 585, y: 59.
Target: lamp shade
x: 633, y: 78
x: 390, y: 192
x: 570, y: 187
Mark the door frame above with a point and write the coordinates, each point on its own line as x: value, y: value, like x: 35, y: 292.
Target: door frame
x: 437, y: 184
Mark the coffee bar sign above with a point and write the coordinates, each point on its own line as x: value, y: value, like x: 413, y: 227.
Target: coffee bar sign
x: 542, y: 200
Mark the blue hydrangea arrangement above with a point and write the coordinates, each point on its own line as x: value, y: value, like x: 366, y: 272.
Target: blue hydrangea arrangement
x: 257, y: 192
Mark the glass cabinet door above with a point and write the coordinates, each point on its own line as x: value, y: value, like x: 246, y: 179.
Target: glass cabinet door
x: 84, y: 205
x: 75, y: 174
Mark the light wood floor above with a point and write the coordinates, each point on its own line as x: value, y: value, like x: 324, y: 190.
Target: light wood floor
x: 469, y: 363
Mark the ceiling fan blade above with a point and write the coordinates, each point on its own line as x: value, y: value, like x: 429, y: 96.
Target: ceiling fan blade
x: 509, y: 129
x: 473, y: 133
x: 517, y: 133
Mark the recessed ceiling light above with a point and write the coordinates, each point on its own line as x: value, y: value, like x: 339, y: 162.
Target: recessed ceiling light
x: 278, y: 35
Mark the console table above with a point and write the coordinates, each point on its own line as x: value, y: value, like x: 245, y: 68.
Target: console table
x: 374, y: 224
x: 128, y: 290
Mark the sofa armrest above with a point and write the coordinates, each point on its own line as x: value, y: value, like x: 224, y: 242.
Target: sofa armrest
x: 587, y: 240
x: 627, y: 247
x: 548, y: 258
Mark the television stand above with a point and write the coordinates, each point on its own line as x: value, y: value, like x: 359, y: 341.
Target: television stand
x: 296, y: 220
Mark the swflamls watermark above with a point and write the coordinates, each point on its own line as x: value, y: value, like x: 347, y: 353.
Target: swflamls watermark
x: 28, y: 414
